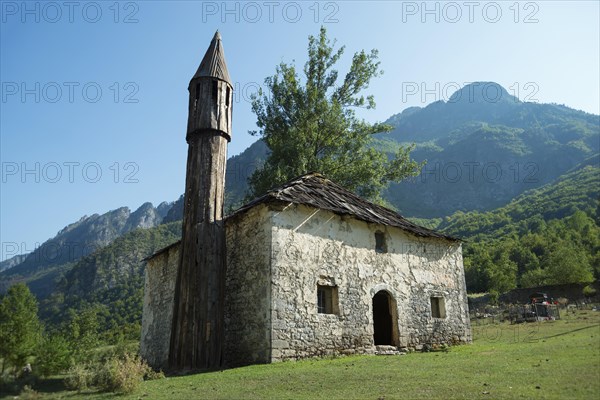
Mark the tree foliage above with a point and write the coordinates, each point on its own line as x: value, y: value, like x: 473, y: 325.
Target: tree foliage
x: 83, y: 332
x: 20, y: 328
x: 312, y: 126
x: 563, y: 252
x: 53, y: 355
x: 547, y: 236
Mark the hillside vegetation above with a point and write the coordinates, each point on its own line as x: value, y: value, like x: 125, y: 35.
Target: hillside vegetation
x: 546, y: 236
x: 109, y: 283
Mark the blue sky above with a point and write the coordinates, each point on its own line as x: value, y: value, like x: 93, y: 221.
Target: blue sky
x: 94, y: 94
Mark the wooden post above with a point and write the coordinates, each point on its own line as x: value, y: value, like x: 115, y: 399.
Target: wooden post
x: 197, y: 330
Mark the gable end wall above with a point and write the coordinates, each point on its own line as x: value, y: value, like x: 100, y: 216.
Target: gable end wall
x: 312, y: 246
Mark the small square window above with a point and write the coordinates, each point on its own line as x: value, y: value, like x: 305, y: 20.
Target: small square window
x: 380, y: 245
x: 438, y: 307
x: 327, y: 300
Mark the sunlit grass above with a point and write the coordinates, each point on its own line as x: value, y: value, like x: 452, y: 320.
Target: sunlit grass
x: 546, y: 360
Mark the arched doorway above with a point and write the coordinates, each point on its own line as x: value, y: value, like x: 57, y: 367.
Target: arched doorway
x: 385, y: 319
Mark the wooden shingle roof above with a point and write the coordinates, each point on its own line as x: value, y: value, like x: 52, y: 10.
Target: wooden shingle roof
x: 213, y: 64
x: 314, y: 190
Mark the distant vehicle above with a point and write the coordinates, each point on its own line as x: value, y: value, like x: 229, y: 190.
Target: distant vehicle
x: 544, y: 308
x: 541, y: 298
x: 539, y: 308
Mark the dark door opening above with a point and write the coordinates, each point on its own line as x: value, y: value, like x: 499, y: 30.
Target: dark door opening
x: 383, y: 319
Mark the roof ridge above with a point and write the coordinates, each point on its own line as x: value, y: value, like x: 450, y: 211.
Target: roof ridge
x: 315, y: 190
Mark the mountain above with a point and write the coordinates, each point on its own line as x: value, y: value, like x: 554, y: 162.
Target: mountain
x: 577, y: 190
x: 75, y: 241
x: 489, y: 103
x: 481, y: 153
x: 110, y: 279
x: 11, y: 262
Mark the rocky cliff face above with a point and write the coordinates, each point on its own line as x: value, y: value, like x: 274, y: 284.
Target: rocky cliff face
x: 79, y: 239
x: 176, y: 212
x: 11, y: 262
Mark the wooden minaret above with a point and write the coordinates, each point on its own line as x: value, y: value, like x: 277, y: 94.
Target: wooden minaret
x: 197, y: 331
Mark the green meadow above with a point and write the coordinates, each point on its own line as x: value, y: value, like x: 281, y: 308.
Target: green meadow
x: 541, y: 360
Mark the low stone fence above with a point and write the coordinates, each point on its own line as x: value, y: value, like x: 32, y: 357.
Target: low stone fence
x: 486, y: 314
x: 573, y: 292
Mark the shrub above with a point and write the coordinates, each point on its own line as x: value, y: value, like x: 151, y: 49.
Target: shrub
x: 589, y: 291
x: 29, y: 394
x: 494, y: 295
x: 121, y: 374
x: 153, y: 375
x: 79, y: 377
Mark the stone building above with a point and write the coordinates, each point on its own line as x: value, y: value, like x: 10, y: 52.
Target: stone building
x: 311, y: 269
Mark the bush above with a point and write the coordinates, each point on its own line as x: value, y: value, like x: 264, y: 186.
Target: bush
x: 493, y: 296
x: 153, y: 375
x: 80, y: 377
x: 589, y: 291
x: 121, y: 374
x: 29, y: 394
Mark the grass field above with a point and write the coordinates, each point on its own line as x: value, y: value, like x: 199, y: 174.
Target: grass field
x: 546, y: 360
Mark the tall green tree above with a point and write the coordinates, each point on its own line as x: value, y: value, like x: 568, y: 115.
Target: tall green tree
x: 83, y: 331
x: 20, y: 327
x: 53, y: 354
x: 311, y: 125
x: 568, y: 263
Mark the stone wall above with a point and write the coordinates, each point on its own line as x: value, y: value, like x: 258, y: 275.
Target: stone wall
x: 247, y: 294
x: 159, y: 289
x: 311, y: 247
x: 248, y: 286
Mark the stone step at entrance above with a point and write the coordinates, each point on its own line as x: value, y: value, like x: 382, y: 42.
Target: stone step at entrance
x: 387, y: 350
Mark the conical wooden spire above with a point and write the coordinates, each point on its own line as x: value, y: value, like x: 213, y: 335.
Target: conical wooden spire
x: 213, y: 64
x: 211, y: 94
